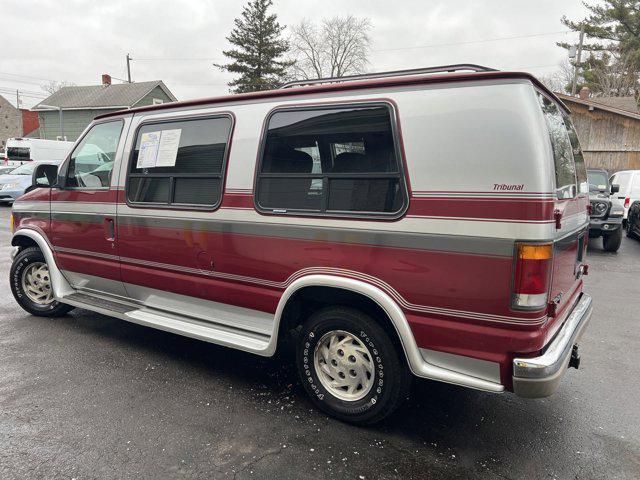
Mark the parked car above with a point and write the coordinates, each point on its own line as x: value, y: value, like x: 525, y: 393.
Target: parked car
x: 4, y: 170
x: 629, y: 181
x: 17, y: 181
x: 633, y: 222
x: 23, y: 150
x: 427, y: 223
x: 606, y: 216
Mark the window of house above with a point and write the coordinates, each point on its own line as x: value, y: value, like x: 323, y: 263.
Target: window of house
x: 334, y: 160
x: 91, y: 162
x: 565, y: 168
x: 157, y: 101
x: 179, y: 162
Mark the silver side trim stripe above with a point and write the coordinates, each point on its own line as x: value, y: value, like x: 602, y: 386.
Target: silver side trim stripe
x: 485, y: 246
x: 317, y: 270
x: 422, y: 241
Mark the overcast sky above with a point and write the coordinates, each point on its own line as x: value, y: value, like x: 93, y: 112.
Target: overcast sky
x: 177, y: 41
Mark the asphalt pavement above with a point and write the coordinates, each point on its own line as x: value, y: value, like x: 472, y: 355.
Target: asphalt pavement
x: 88, y: 396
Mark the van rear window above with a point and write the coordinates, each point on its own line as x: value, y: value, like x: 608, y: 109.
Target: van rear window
x: 21, y: 154
x: 179, y: 162
x: 562, y: 151
x: 331, y: 160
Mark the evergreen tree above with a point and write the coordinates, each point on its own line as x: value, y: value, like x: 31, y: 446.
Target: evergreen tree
x: 260, y: 47
x: 611, y: 47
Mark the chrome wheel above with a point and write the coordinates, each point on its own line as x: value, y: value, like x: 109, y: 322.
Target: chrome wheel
x: 36, y: 283
x: 344, y: 365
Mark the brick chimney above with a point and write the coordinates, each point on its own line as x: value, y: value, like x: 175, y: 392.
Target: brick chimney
x: 585, y: 93
x: 106, y: 80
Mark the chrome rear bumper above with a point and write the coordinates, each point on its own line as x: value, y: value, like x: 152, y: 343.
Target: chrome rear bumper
x: 540, y: 376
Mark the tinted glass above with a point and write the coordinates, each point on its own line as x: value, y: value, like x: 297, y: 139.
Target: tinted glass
x: 196, y: 191
x: 18, y: 153
x: 153, y: 190
x: 364, y: 195
x: 201, y: 146
x: 578, y: 158
x: 92, y: 160
x: 184, y: 161
x: 334, y: 159
x: 562, y: 151
x: 290, y: 193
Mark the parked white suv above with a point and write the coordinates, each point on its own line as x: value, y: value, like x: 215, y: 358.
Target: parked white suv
x: 629, y: 181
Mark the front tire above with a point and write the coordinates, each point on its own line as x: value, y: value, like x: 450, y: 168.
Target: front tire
x: 611, y: 242
x: 31, y: 285
x: 350, y: 367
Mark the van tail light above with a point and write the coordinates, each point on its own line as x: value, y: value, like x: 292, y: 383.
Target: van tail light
x: 532, y: 275
x: 627, y: 201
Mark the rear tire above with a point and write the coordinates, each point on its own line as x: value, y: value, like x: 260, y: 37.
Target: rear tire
x: 611, y: 242
x: 31, y: 285
x: 350, y: 367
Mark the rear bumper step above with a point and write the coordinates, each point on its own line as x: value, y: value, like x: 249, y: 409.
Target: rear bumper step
x: 540, y: 376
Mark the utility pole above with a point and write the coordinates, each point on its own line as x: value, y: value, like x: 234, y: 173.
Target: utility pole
x: 19, y: 113
x: 129, y: 68
x: 578, y: 60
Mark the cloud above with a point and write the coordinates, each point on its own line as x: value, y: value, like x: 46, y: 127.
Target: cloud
x: 78, y: 40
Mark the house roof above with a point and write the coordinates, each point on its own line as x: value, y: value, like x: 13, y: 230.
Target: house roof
x: 607, y: 104
x: 622, y: 103
x: 121, y: 95
x: 347, y: 86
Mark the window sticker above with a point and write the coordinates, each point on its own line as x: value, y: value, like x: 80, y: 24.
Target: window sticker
x: 149, y: 144
x: 168, y: 148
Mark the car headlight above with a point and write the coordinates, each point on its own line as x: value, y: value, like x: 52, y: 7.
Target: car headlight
x: 9, y: 186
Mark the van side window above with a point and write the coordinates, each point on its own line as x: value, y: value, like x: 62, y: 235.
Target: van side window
x: 91, y: 162
x: 562, y: 154
x: 21, y: 154
x: 179, y: 162
x: 331, y: 160
x: 578, y: 158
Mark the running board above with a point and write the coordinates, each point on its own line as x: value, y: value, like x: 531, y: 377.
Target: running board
x: 210, y: 330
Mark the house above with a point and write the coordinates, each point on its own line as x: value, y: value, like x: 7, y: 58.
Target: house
x: 77, y: 106
x: 15, y: 122
x: 608, y: 129
x: 10, y: 122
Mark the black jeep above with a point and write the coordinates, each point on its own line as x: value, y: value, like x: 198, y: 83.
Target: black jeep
x: 606, y: 217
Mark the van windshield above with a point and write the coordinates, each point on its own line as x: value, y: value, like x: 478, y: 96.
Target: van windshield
x: 18, y: 153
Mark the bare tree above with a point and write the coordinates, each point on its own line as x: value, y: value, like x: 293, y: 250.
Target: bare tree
x: 617, y: 77
x: 52, y: 86
x: 339, y: 46
x: 560, y: 79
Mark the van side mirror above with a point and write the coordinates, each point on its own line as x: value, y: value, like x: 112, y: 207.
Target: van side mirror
x: 44, y: 176
x: 615, y: 188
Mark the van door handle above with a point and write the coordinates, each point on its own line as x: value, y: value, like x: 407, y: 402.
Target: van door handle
x: 110, y: 229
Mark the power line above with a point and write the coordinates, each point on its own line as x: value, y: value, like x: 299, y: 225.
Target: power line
x: 497, y: 39
x: 177, y: 59
x: 13, y: 89
x: 28, y: 76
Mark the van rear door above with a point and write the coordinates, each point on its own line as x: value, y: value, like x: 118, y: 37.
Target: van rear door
x: 571, y: 215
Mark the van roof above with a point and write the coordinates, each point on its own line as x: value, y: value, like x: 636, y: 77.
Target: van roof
x: 344, y: 86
